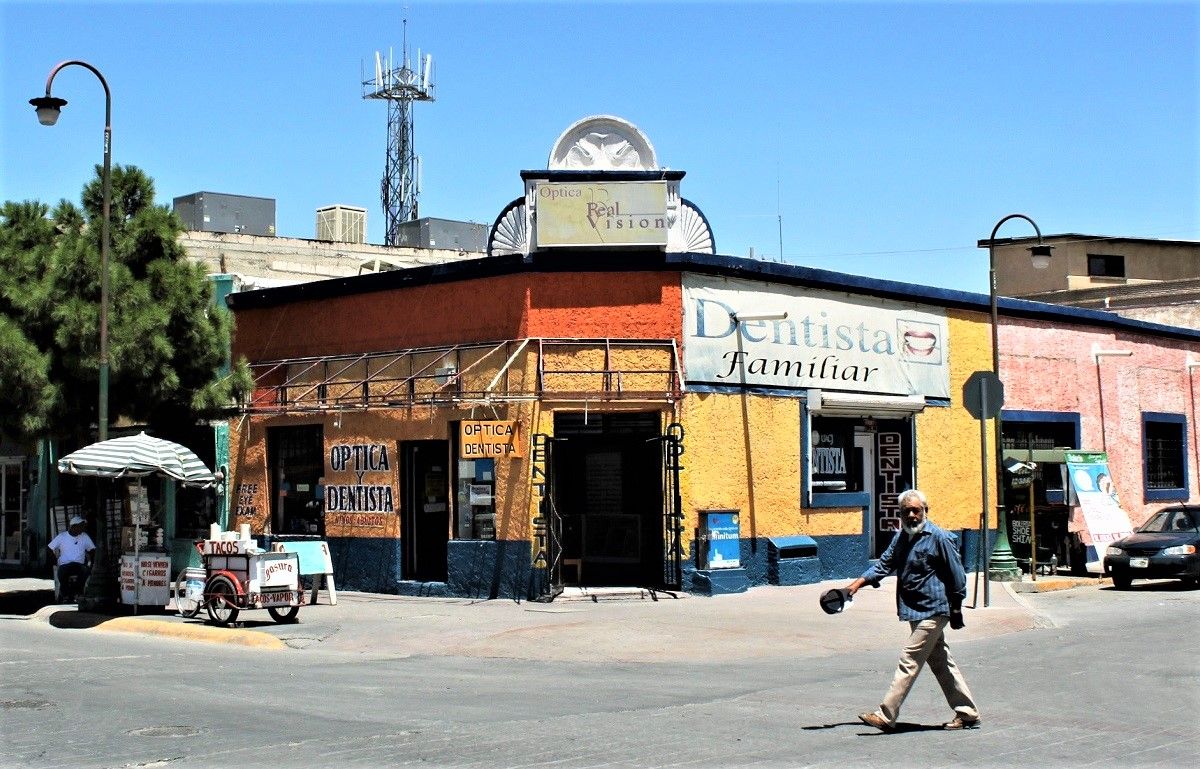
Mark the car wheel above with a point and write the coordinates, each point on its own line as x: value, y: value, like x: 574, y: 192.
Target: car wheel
x: 1121, y: 580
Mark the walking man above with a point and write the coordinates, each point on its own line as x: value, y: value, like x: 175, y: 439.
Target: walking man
x: 929, y: 595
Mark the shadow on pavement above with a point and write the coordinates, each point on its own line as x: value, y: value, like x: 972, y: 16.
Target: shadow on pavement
x: 72, y: 619
x: 1157, y: 586
x: 901, y: 727
x: 25, y: 601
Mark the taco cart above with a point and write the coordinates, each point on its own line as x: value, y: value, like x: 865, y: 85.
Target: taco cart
x: 238, y: 576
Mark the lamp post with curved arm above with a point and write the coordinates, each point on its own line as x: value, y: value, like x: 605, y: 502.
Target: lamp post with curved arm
x: 1002, y: 566
x: 48, y: 108
x: 98, y: 589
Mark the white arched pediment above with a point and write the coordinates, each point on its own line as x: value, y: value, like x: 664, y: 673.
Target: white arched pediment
x: 510, y: 233
x: 690, y: 232
x: 603, y: 143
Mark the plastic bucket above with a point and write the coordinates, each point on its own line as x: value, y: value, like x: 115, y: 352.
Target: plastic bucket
x: 190, y: 596
x: 193, y: 583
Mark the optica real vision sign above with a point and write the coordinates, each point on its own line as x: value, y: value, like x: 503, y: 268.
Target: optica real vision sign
x: 601, y: 214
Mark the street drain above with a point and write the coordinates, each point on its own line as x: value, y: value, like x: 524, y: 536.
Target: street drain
x: 164, y: 731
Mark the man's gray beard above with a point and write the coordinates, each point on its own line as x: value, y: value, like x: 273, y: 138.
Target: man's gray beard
x: 912, y: 531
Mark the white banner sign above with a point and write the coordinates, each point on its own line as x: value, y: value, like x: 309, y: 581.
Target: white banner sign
x: 828, y: 340
x: 1104, y: 520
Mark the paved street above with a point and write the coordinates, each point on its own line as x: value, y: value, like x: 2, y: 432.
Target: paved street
x: 1079, y: 683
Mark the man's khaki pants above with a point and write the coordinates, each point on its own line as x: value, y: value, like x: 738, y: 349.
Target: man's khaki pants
x: 928, y: 644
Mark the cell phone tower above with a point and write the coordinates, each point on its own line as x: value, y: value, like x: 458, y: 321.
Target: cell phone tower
x: 400, y: 87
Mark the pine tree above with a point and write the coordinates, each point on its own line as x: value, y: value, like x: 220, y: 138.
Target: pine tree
x: 167, y: 342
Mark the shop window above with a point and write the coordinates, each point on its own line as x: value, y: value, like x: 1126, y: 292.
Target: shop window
x: 476, y: 499
x: 1164, y: 456
x: 1041, y: 432
x: 297, y: 461
x: 1037, y: 430
x: 1106, y: 266
x: 834, y: 463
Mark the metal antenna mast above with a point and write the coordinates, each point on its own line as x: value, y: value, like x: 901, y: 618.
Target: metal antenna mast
x: 400, y: 87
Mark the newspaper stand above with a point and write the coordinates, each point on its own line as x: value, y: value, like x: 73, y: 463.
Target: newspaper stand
x: 240, y: 576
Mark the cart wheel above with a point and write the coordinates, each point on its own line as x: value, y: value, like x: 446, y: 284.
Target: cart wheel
x: 188, y: 607
x: 284, y: 616
x: 220, y: 599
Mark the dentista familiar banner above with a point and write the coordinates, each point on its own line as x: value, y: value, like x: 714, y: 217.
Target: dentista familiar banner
x: 828, y: 340
x: 601, y: 214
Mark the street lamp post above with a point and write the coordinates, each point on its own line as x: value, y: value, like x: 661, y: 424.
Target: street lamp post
x: 48, y: 108
x: 1002, y: 565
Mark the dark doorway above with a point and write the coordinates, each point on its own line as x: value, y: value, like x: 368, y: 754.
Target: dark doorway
x: 296, y: 456
x: 608, y: 472
x: 425, y: 489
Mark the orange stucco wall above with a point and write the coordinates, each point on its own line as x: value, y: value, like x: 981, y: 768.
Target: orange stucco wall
x: 644, y: 305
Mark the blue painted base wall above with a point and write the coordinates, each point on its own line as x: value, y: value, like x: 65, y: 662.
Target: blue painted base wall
x: 474, y: 569
x: 487, y: 569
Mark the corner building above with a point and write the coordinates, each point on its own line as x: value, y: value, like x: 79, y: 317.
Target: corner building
x: 603, y: 400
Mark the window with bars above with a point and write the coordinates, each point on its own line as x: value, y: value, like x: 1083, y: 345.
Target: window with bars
x: 1164, y: 447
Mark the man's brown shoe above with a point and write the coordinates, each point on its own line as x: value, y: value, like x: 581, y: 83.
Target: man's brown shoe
x: 876, y: 720
x: 962, y: 723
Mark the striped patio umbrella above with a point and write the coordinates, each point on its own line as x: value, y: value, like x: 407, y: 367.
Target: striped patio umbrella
x: 137, y: 455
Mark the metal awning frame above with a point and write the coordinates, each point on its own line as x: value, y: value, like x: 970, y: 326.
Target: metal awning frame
x: 385, y: 387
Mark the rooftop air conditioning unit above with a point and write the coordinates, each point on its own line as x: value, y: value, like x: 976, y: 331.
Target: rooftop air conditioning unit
x: 342, y: 224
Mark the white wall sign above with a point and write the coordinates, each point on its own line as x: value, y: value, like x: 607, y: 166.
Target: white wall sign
x: 829, y: 340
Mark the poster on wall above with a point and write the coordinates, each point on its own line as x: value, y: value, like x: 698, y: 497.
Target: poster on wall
x: 1098, y: 518
x: 828, y: 340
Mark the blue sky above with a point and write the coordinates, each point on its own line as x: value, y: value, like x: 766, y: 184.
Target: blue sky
x: 888, y: 137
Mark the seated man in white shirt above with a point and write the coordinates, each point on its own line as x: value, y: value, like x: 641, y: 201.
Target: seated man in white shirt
x: 73, y: 553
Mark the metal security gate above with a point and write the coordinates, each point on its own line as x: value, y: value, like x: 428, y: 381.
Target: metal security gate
x: 672, y: 448
x: 547, y: 527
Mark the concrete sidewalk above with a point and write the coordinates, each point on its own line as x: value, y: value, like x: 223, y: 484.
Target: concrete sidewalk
x: 593, y: 625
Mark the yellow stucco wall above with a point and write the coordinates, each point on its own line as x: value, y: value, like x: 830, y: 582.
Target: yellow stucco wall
x: 744, y: 453
x: 948, y: 464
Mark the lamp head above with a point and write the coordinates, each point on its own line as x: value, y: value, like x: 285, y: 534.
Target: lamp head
x: 48, y: 108
x: 1040, y: 256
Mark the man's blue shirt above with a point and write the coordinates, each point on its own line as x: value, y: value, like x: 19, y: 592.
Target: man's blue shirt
x: 930, y: 573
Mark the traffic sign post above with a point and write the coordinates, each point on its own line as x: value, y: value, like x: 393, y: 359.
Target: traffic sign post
x: 983, y: 397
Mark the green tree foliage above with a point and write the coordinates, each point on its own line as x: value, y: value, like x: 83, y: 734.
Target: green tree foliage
x: 168, y: 344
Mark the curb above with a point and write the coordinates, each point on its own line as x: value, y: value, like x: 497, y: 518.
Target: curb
x: 1057, y: 583
x: 1039, y: 620
x: 236, y: 636
x: 186, y: 632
